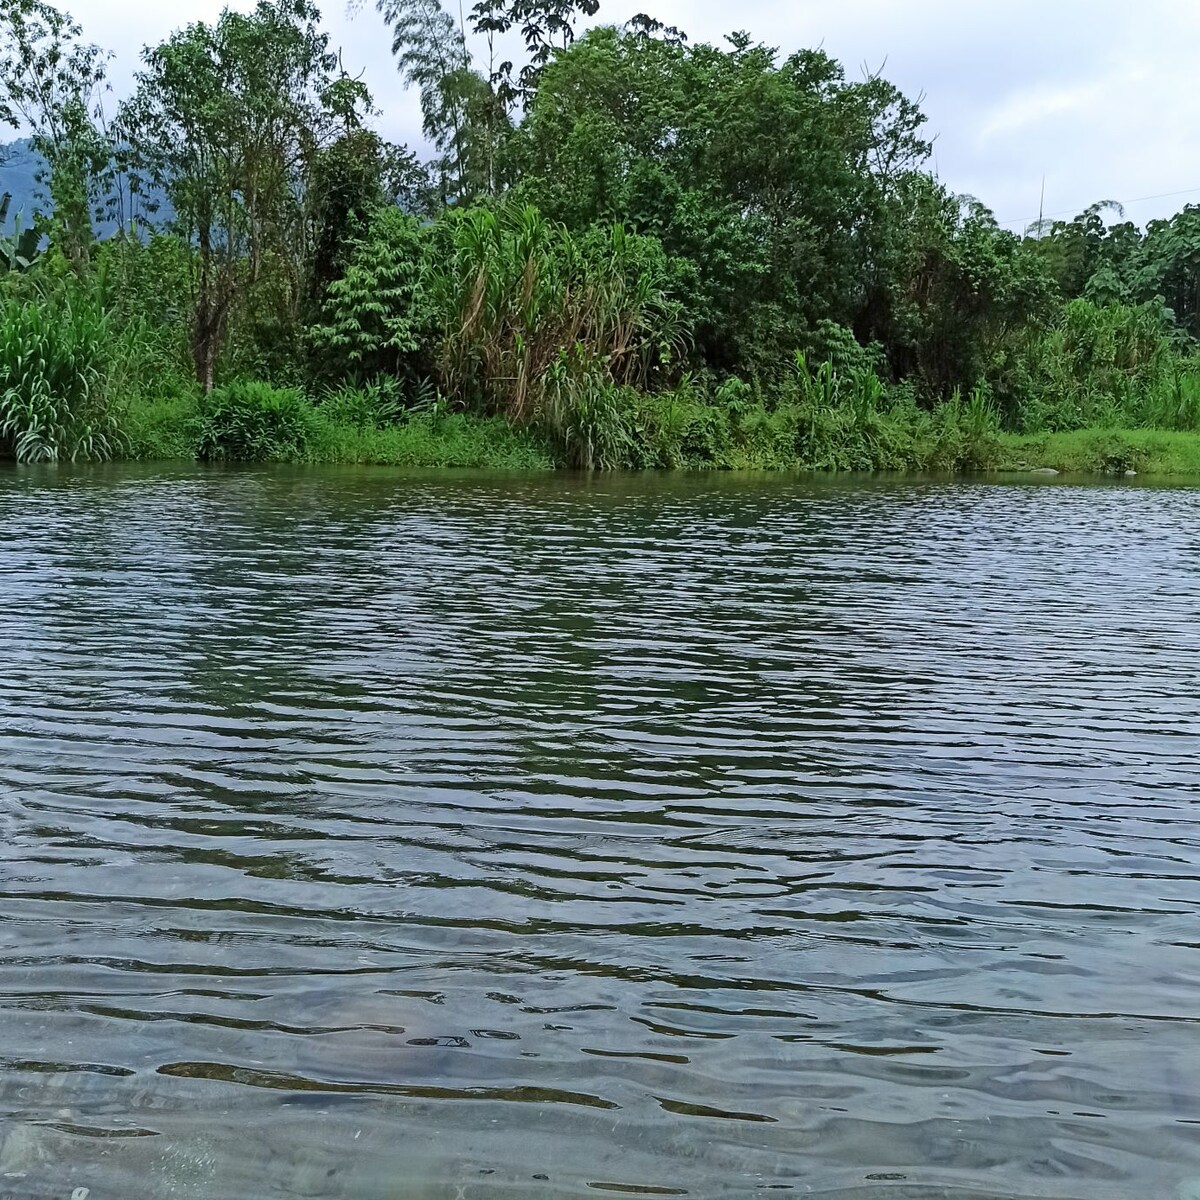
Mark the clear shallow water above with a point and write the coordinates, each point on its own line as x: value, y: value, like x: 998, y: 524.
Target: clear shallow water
x: 376, y: 836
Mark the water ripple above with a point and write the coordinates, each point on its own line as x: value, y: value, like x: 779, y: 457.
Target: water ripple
x: 378, y: 835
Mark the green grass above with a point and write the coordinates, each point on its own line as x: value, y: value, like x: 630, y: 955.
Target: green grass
x: 426, y: 440
x: 170, y: 429
x: 1101, y: 451
x: 161, y: 429
x: 687, y: 433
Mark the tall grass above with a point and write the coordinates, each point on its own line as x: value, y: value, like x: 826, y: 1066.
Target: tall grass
x: 55, y: 356
x: 1099, y: 365
x: 541, y: 325
x: 823, y: 418
x: 588, y: 415
x: 1174, y: 403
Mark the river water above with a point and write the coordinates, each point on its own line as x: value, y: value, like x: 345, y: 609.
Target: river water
x: 369, y: 835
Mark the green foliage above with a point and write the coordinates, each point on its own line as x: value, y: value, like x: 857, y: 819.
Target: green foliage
x: 376, y: 316
x: 1101, y: 452
x: 611, y: 262
x: 837, y: 345
x: 961, y: 292
x: 1167, y: 264
x: 438, y: 439
x: 143, y: 288
x: 164, y: 425
x: 545, y: 25
x: 1118, y: 264
x: 349, y: 182
x: 514, y: 293
x: 587, y: 414
x: 1175, y: 402
x: 226, y: 119
x: 54, y: 401
x: 818, y: 419
x: 374, y: 406
x: 771, y: 180
x: 254, y: 422
x: 431, y: 53
x: 1093, y: 366
x: 50, y: 81
x: 467, y: 108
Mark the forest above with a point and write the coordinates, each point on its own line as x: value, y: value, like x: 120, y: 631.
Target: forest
x: 615, y: 249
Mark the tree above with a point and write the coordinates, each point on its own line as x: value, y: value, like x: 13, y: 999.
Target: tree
x: 545, y: 25
x: 1167, y: 265
x: 50, y: 80
x: 468, y: 107
x: 957, y: 294
x: 1075, y: 250
x: 769, y: 179
x: 228, y: 119
x: 375, y: 313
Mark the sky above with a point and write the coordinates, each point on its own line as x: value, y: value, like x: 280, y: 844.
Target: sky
x: 1098, y: 98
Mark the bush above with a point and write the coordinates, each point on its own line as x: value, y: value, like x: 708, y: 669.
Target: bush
x: 54, y: 376
x: 162, y: 426
x: 254, y: 422
x: 375, y: 318
x: 516, y: 294
x: 587, y: 415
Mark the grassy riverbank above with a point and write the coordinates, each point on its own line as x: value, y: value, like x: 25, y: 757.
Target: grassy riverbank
x: 1102, y: 451
x: 676, y: 433
x: 180, y: 429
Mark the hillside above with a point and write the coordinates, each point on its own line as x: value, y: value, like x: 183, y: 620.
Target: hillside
x: 19, y: 165
x: 19, y: 168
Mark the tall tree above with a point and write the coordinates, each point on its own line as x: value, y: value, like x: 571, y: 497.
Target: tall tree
x: 50, y: 83
x: 767, y: 178
x: 468, y: 106
x: 227, y: 119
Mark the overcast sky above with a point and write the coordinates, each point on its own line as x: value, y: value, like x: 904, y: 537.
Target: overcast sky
x: 1099, y: 97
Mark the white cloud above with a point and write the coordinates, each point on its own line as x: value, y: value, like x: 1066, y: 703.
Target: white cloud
x: 1025, y: 111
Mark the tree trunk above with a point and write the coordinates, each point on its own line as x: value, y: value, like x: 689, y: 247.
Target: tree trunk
x: 206, y: 325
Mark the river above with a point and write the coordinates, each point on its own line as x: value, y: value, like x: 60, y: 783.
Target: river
x: 375, y: 835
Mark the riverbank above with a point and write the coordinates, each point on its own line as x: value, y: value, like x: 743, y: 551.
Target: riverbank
x: 1102, y: 452
x: 662, y: 435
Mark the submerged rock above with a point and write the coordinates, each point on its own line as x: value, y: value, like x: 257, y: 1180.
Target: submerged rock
x: 22, y: 1149
x: 19, y: 1150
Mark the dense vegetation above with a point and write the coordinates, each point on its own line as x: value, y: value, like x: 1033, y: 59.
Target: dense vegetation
x: 627, y: 251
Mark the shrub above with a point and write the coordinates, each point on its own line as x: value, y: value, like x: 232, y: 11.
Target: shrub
x: 164, y: 425
x: 254, y: 422
x: 515, y: 293
x: 376, y: 316
x: 588, y: 415
x: 1096, y: 366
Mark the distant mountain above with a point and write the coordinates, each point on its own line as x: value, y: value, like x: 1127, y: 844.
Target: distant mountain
x: 20, y: 165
